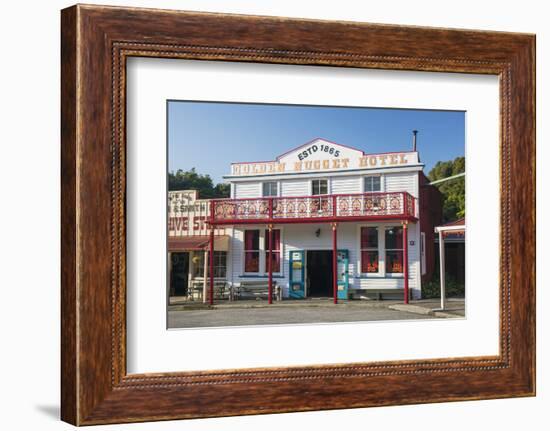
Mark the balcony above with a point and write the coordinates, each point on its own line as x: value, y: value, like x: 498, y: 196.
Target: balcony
x: 311, y: 209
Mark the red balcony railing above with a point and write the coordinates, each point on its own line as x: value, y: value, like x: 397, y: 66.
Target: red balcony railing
x: 297, y: 209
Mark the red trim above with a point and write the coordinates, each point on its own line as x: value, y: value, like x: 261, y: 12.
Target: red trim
x: 313, y: 220
x: 405, y: 263
x: 211, y: 296
x: 335, y: 263
x: 212, y: 205
x: 269, y: 266
x: 265, y: 215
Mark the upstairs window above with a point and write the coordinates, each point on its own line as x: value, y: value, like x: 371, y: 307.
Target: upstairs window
x: 269, y: 189
x: 319, y: 187
x: 372, y: 184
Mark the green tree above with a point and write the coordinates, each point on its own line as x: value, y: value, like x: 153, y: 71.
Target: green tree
x: 454, y: 195
x: 191, y: 180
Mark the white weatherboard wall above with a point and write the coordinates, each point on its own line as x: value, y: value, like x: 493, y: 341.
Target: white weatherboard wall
x: 406, y: 181
x: 343, y: 185
x: 303, y: 237
x: 295, y: 187
x: 247, y: 190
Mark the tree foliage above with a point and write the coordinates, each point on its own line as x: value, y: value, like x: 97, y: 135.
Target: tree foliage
x: 191, y: 180
x: 454, y: 195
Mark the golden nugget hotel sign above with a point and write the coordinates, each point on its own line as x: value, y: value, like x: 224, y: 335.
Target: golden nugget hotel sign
x: 323, y: 157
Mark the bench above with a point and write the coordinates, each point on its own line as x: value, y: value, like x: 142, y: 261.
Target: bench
x: 222, y: 289
x: 258, y: 288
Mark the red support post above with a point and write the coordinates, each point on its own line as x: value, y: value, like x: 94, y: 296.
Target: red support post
x: 405, y: 263
x: 270, y: 264
x: 334, y: 263
x: 211, y: 255
x: 212, y: 210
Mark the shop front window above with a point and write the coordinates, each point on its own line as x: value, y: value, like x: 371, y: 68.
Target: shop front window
x: 198, y: 264
x: 394, y: 250
x: 252, y: 250
x: 220, y: 264
x: 369, y: 250
x: 276, y: 250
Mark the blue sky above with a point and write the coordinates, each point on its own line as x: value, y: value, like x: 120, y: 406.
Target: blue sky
x: 209, y: 136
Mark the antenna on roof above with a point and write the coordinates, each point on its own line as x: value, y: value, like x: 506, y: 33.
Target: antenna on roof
x: 414, y: 139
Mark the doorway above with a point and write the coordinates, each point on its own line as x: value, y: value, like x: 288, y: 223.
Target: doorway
x: 179, y: 279
x: 319, y: 273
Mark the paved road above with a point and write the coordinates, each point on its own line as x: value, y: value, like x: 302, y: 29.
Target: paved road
x: 281, y: 315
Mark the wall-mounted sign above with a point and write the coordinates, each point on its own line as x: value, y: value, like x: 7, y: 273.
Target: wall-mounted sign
x: 321, y: 155
x: 188, y: 215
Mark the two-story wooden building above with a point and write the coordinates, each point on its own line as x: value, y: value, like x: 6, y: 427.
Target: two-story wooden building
x: 325, y: 220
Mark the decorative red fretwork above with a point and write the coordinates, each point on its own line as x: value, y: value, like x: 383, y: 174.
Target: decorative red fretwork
x: 376, y: 205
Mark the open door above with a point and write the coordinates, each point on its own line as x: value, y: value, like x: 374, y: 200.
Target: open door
x: 179, y: 277
x: 296, y: 287
x: 343, y: 274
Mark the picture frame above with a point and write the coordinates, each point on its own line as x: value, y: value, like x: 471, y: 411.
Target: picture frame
x: 96, y: 41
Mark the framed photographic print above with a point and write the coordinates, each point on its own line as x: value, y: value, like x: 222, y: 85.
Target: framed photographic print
x: 268, y: 215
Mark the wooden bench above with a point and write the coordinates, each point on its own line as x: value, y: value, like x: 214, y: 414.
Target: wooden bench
x: 257, y: 288
x: 222, y: 289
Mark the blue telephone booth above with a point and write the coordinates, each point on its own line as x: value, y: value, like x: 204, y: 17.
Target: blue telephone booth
x: 296, y: 286
x: 343, y: 274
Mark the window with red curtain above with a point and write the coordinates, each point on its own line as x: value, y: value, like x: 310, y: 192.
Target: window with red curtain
x: 252, y: 250
x: 276, y: 250
x: 394, y: 249
x: 369, y: 250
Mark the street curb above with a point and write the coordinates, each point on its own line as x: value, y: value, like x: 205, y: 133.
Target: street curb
x: 417, y: 309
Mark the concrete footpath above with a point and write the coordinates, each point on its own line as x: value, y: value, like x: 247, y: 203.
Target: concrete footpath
x: 455, y: 307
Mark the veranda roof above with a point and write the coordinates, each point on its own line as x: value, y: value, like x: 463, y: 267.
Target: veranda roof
x: 197, y: 243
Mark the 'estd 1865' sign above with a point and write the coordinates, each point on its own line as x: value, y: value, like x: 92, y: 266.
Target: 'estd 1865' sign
x: 321, y: 148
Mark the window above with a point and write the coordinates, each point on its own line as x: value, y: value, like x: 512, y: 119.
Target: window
x: 269, y: 189
x: 275, y: 250
x: 220, y: 264
x: 394, y: 250
x: 372, y: 184
x: 198, y: 264
x: 319, y: 187
x: 320, y: 205
x: 369, y: 250
x: 252, y: 250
